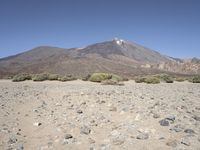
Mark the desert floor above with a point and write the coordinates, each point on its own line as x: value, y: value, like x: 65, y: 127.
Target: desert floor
x: 80, y: 115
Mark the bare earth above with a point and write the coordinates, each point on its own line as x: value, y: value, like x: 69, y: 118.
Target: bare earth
x: 90, y: 116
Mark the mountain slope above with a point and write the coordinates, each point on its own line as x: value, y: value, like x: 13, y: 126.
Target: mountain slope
x: 116, y: 56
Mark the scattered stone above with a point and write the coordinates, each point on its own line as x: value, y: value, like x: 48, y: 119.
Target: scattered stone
x: 197, y: 118
x: 171, y: 143
x: 156, y: 116
x: 113, y: 108
x: 143, y: 136
x: 37, y: 124
x: 68, y: 136
x: 85, y: 130
x: 190, y: 131
x: 164, y: 122
x: 171, y: 118
x: 79, y: 111
x: 12, y: 140
x: 91, y: 141
x: 177, y: 128
x: 20, y: 147
x: 185, y: 141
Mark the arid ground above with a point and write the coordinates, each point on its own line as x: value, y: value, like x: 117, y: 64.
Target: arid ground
x: 80, y: 115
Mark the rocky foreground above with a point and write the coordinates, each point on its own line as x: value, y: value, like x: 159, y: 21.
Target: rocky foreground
x: 81, y: 115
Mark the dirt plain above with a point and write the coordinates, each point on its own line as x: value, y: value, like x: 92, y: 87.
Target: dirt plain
x: 80, y: 115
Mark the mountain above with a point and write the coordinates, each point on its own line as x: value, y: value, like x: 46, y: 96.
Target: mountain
x: 116, y: 56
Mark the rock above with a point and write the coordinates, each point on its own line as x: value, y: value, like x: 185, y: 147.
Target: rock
x: 91, y: 141
x: 118, y: 140
x: 20, y: 147
x: 171, y: 118
x: 171, y: 143
x: 185, y: 141
x: 197, y: 118
x: 190, y: 131
x: 79, y: 111
x: 156, y: 116
x: 164, y: 122
x: 143, y: 136
x: 85, y: 130
x: 68, y: 136
x: 177, y: 128
x: 12, y: 140
x: 113, y: 109
x: 37, y: 124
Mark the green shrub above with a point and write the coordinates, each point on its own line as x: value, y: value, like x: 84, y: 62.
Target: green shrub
x: 53, y: 77
x: 86, y: 78
x: 196, y: 79
x: 21, y: 77
x: 116, y: 77
x: 66, y: 78
x: 98, y: 77
x: 40, y: 77
x: 179, y: 79
x: 140, y: 79
x: 167, y: 79
x: 152, y: 80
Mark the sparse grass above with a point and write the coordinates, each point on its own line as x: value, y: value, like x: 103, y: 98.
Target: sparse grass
x: 152, y: 80
x: 180, y: 79
x: 21, y: 77
x: 140, y: 79
x: 40, y: 77
x: 196, y: 79
x: 66, y: 78
x: 53, y: 77
x: 86, y: 78
x: 98, y: 77
x: 167, y: 79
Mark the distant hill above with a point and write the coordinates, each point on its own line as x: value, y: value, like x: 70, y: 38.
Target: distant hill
x: 116, y: 56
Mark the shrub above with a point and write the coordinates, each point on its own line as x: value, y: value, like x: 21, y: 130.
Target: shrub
x: 40, y: 77
x: 98, y: 77
x: 53, y: 77
x: 196, y: 79
x: 86, y: 78
x: 21, y: 77
x: 66, y: 78
x: 180, y: 79
x: 152, y: 80
x: 167, y: 79
x: 116, y: 77
x: 140, y: 79
x: 111, y: 82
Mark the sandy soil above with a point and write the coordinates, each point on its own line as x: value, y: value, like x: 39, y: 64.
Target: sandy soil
x: 89, y: 116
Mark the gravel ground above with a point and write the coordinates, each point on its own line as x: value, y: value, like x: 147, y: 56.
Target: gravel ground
x: 80, y: 115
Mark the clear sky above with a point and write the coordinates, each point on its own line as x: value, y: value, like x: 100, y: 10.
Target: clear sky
x: 171, y: 27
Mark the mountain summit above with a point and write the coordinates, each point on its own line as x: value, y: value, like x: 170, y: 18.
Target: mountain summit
x: 116, y: 56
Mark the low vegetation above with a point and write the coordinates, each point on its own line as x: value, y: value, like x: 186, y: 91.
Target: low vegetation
x: 40, y: 77
x: 196, y: 79
x: 98, y: 77
x: 53, y: 77
x: 147, y: 79
x: 66, y: 78
x: 152, y: 80
x: 167, y: 79
x: 86, y: 78
x: 180, y: 79
x: 21, y: 77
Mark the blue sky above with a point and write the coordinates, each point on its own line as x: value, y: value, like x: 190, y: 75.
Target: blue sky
x: 171, y: 27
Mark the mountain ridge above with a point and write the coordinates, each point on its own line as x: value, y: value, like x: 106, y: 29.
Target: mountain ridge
x: 116, y: 56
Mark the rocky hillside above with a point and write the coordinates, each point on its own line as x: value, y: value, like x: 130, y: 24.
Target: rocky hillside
x: 116, y: 56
